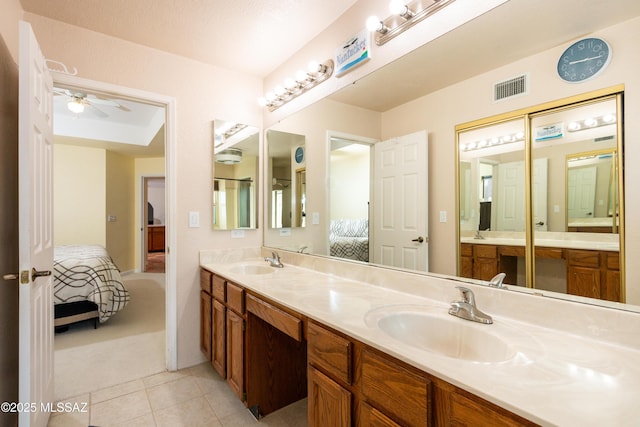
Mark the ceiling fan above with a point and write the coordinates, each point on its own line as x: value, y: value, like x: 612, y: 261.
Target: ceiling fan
x: 77, y: 101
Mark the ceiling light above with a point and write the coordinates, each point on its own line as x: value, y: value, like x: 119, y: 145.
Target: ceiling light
x: 75, y: 106
x: 230, y: 156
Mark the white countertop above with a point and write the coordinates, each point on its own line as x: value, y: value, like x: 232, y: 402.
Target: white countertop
x: 556, y: 378
x: 569, y: 240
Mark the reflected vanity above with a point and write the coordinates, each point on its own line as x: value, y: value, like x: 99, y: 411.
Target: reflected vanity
x: 553, y: 223
x: 235, y: 183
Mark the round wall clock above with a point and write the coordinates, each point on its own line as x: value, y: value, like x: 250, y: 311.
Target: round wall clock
x: 299, y: 155
x: 584, y: 60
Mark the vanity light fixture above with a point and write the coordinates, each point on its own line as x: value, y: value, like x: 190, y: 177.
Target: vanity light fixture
x: 592, y: 122
x: 403, y: 16
x: 293, y: 87
x: 492, y: 142
x: 226, y: 131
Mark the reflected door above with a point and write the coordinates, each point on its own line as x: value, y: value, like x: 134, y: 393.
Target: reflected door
x: 400, y: 235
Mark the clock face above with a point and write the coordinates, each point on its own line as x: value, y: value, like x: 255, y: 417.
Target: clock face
x: 299, y: 154
x: 584, y: 59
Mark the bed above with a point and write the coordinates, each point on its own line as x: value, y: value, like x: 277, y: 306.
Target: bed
x: 349, y: 238
x: 86, y: 284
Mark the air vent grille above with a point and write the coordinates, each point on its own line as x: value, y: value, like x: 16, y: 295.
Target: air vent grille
x: 512, y: 87
x: 604, y: 139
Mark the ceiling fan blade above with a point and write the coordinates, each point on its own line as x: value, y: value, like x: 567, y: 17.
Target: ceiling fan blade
x: 100, y: 100
x: 96, y: 111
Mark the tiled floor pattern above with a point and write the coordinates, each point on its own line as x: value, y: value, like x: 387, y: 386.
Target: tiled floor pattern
x: 194, y: 396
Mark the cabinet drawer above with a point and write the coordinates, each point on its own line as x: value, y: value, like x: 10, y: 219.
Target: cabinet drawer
x: 466, y: 249
x: 512, y: 250
x: 277, y: 318
x: 583, y: 258
x: 205, y: 280
x: 235, y: 298
x: 553, y: 253
x: 467, y: 412
x: 395, y: 391
x: 330, y: 352
x: 485, y: 251
x: 613, y: 261
x: 219, y: 288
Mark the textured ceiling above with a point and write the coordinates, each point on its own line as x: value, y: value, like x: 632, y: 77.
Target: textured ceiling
x: 253, y: 36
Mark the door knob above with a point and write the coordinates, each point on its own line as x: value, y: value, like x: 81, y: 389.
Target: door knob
x: 540, y: 223
x: 35, y: 273
x: 419, y: 239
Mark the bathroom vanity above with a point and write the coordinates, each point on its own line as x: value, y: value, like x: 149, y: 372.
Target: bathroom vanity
x: 330, y: 330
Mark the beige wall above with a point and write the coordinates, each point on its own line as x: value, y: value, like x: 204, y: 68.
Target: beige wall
x: 11, y: 14
x: 120, y: 200
x: 79, y: 195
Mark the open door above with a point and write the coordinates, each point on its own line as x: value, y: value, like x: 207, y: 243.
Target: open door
x: 400, y: 229
x: 35, y: 160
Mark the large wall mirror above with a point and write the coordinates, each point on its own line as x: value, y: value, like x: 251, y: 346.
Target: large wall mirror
x: 431, y: 93
x: 236, y: 159
x: 562, y: 208
x: 286, y: 180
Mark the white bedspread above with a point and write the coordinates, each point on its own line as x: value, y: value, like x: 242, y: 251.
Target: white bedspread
x: 87, y: 272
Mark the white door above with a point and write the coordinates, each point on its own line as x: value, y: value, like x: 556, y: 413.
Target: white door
x: 581, y: 192
x: 35, y: 155
x: 509, y: 200
x: 400, y: 215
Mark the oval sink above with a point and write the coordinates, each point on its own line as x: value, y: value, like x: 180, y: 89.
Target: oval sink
x: 451, y: 337
x: 251, y: 269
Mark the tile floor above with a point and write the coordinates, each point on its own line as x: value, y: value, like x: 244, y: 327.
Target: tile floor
x: 194, y: 396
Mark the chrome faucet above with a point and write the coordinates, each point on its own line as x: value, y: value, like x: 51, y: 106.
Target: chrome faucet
x: 466, y: 308
x: 274, y: 261
x: 497, y: 280
x: 478, y: 236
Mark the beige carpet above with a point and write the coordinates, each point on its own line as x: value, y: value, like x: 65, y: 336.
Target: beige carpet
x: 128, y: 346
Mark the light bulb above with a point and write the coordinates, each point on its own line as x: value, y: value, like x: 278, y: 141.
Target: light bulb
x: 279, y: 91
x: 374, y: 23
x: 520, y: 135
x: 75, y: 106
x: 262, y: 101
x: 397, y: 7
x: 591, y: 122
x: 290, y: 84
x: 270, y: 96
x: 313, y: 67
x: 573, y: 126
x: 608, y: 118
x: 301, y: 76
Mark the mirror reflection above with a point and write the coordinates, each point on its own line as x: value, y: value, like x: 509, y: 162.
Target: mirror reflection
x: 286, y: 171
x: 236, y: 168
x: 573, y: 206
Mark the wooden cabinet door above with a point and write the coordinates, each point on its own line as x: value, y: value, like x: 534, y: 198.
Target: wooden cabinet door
x: 329, y: 403
x: 219, y: 339
x: 583, y: 281
x: 235, y: 353
x: 205, y: 324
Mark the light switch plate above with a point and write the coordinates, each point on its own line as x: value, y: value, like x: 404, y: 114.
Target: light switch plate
x: 194, y: 219
x: 443, y: 216
x: 237, y: 234
x: 315, y: 218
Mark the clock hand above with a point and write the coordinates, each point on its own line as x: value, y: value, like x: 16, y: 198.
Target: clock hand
x: 584, y: 60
